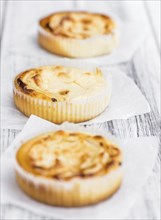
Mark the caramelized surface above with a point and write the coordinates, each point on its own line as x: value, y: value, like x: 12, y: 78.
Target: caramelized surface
x: 65, y: 155
x: 58, y: 83
x: 78, y: 25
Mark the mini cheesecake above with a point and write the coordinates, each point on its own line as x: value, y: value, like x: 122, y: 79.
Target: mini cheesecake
x: 66, y: 168
x: 78, y: 34
x: 59, y: 93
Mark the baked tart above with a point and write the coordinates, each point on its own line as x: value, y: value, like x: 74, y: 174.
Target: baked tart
x: 66, y: 168
x: 78, y: 34
x: 58, y: 93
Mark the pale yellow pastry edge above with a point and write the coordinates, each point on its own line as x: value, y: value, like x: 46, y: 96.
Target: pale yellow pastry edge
x: 77, y: 192
x: 78, y: 48
x: 59, y: 112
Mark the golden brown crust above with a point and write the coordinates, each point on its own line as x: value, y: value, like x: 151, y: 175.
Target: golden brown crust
x: 78, y: 25
x: 66, y: 155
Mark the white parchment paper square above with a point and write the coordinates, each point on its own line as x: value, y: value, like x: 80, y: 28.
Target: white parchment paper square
x: 126, y: 100
x: 24, y: 29
x: 139, y: 156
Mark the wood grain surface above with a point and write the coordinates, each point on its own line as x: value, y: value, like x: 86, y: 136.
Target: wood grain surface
x: 144, y: 69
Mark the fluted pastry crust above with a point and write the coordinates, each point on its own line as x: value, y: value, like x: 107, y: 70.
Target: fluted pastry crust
x: 59, y: 93
x: 67, y: 167
x: 78, y: 34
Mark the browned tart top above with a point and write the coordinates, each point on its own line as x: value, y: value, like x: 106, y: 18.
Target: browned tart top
x: 78, y: 25
x: 64, y: 155
x: 59, y: 83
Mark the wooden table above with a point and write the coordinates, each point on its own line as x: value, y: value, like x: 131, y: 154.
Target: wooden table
x: 144, y: 68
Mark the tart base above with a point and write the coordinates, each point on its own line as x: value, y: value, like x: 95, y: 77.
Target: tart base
x: 59, y: 112
x: 75, y: 48
x: 77, y: 193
